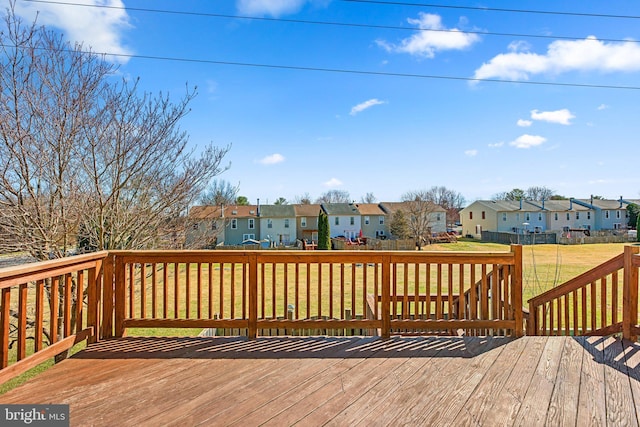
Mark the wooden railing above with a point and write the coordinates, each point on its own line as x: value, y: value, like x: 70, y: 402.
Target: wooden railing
x: 254, y: 290
x: 46, y: 308
x: 601, y: 301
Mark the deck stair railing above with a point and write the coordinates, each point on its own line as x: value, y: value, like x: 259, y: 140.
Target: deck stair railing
x: 601, y: 301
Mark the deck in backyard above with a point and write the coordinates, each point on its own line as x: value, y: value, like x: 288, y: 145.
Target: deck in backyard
x: 346, y: 381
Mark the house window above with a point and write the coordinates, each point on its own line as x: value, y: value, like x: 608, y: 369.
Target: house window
x: 606, y: 214
x: 248, y: 236
x: 504, y: 216
x: 618, y: 214
x: 577, y: 215
x: 568, y: 216
x: 437, y: 217
x: 252, y: 223
x: 555, y: 216
x: 381, y: 220
x: 234, y: 223
x: 470, y: 215
x: 286, y: 223
x: 214, y: 225
x: 195, y: 226
x: 352, y: 220
x: 539, y: 217
x: 588, y: 214
x: 303, y: 221
x: 527, y: 217
x: 483, y: 215
x: 617, y: 226
x: 366, y: 220
x: 337, y: 221
x: 269, y: 223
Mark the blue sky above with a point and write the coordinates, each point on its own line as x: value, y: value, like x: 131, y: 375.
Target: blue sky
x: 383, y: 131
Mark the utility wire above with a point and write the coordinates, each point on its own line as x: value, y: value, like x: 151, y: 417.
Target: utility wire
x: 494, y: 9
x: 326, y: 23
x: 348, y: 71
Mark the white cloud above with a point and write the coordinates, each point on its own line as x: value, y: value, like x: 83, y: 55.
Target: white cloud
x: 98, y: 28
x: 563, y: 56
x: 528, y: 141
x: 364, y: 105
x: 524, y: 123
x: 562, y: 117
x: 603, y: 107
x: 270, y: 7
x: 496, y: 145
x: 332, y: 183
x: 427, y: 43
x: 471, y: 153
x: 272, y: 159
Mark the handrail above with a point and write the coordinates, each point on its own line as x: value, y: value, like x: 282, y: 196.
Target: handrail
x: 306, y: 290
x: 44, y: 302
x: 600, y: 301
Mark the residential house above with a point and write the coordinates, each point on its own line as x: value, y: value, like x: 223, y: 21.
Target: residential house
x: 205, y: 227
x: 307, y: 222
x: 373, y: 220
x: 278, y: 224
x: 609, y: 214
x: 344, y: 219
x: 241, y: 224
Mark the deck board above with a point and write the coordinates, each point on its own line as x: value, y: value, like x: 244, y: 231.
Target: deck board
x: 311, y: 381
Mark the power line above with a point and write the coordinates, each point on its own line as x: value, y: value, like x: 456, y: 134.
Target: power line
x: 494, y: 9
x: 326, y: 23
x: 348, y: 71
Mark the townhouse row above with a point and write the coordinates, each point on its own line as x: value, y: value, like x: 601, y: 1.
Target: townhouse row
x: 545, y: 216
x: 283, y: 225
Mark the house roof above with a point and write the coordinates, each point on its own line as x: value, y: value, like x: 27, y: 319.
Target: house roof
x: 370, y: 209
x: 340, y: 209
x: 210, y: 212
x: 277, y: 211
x: 307, y: 210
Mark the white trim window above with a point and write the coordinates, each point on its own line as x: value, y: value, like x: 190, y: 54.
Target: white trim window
x: 286, y: 223
x: 234, y: 223
x: 252, y: 224
x: 381, y: 219
x: 303, y: 221
x: 269, y: 223
x: 366, y: 220
x: 248, y: 236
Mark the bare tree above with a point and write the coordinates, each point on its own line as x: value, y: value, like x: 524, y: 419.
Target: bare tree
x: 539, y: 193
x: 449, y: 200
x: 369, y: 198
x: 303, y: 199
x: 280, y: 201
x: 420, y: 211
x: 334, y: 196
x: 220, y: 193
x: 82, y: 155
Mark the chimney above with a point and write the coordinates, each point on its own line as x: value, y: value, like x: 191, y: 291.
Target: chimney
x: 620, y: 202
x: 520, y: 204
x: 221, y: 210
x: 258, y: 211
x: 591, y: 200
x: 543, y: 203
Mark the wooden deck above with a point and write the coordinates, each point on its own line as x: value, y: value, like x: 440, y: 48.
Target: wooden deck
x: 346, y: 381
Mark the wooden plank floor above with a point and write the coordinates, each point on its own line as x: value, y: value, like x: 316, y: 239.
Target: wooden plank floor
x: 311, y: 381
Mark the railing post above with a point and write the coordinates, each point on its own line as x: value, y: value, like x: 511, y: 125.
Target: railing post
x: 107, y: 296
x: 516, y: 291
x: 630, y: 294
x: 253, y: 296
x: 532, y: 321
x: 385, y: 310
x: 120, y: 296
x: 93, y: 302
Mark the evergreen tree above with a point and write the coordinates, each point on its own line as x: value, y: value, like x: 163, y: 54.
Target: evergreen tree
x: 324, y: 242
